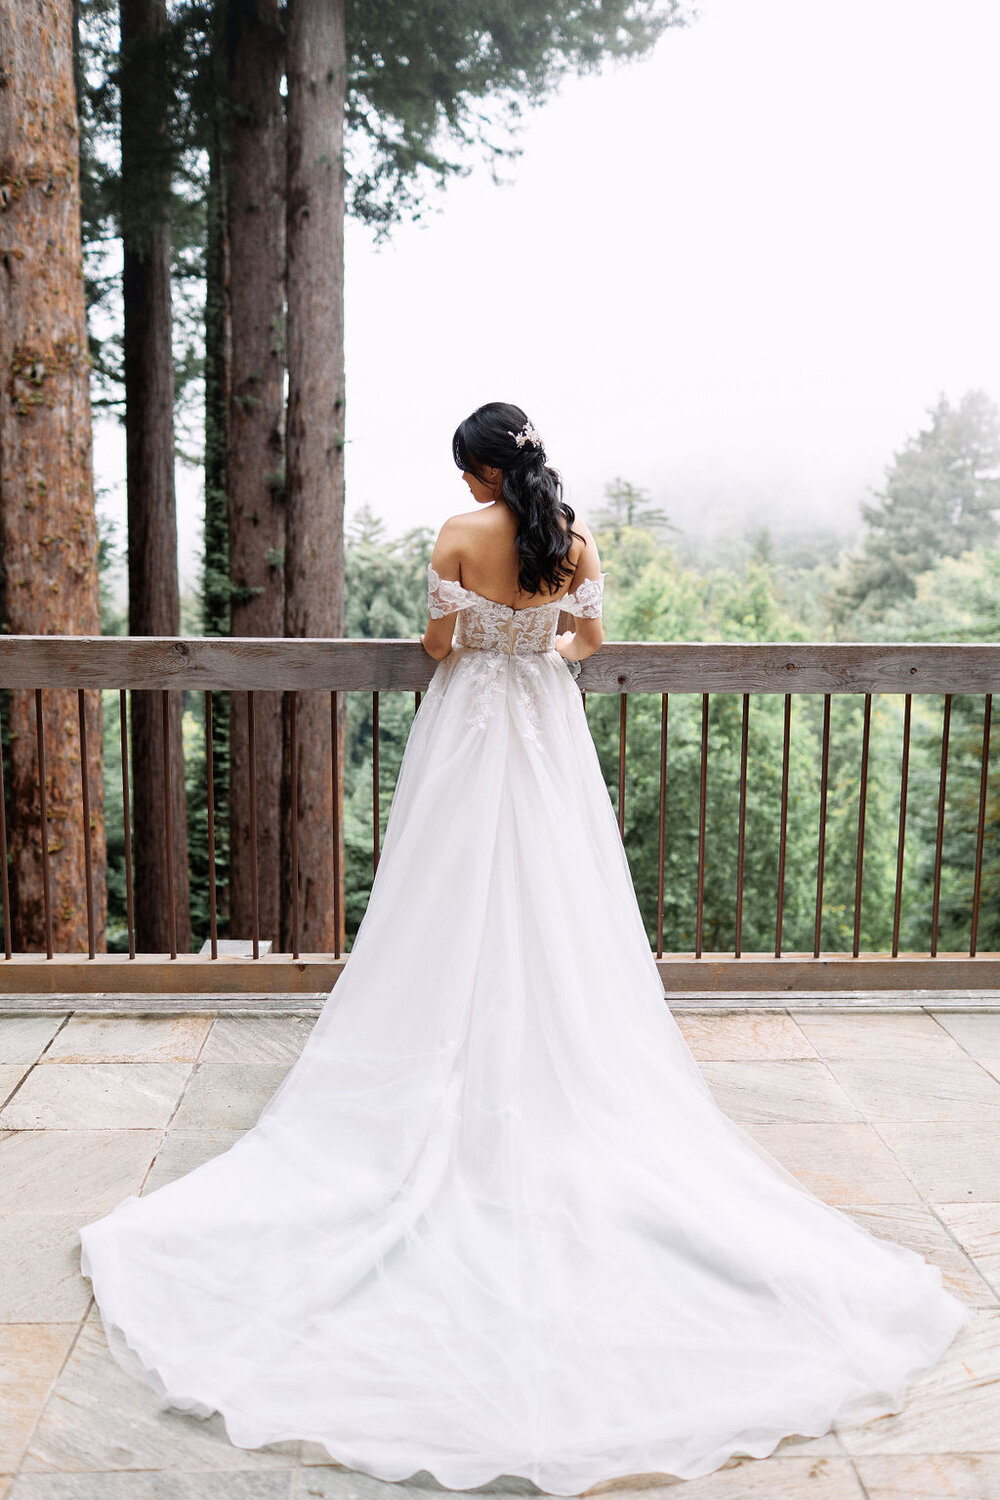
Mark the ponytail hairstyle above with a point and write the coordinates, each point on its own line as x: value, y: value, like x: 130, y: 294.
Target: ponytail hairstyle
x: 531, y: 489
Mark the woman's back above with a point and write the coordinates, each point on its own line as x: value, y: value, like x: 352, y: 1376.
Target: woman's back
x: 488, y: 559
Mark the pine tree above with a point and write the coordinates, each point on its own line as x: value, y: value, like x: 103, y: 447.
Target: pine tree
x: 941, y: 499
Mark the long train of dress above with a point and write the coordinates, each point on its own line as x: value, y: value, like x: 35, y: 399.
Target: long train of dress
x: 492, y: 1222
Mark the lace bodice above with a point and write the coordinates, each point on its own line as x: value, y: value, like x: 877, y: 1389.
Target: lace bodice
x: 486, y: 625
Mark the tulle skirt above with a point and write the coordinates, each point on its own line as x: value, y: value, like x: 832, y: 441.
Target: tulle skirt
x: 492, y: 1222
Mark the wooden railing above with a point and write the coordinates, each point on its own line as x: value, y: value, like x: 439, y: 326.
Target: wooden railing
x: 335, y: 667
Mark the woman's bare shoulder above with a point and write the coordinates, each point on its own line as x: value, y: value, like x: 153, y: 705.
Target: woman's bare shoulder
x: 470, y: 523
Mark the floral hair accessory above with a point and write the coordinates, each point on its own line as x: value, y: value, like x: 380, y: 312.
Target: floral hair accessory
x: 528, y: 434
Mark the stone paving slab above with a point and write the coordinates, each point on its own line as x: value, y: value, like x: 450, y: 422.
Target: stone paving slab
x: 942, y: 1088
x: 96, y: 1096
x: 753, y: 1093
x: 270, y: 1039
x: 183, y: 1150
x: 23, y: 1039
x: 979, y: 1035
x: 917, y: 1228
x: 228, y: 1095
x: 954, y: 1408
x: 976, y: 1227
x: 156, y: 1486
x: 817, y: 1478
x: 40, y: 1257
x: 898, y: 1038
x: 11, y: 1075
x: 841, y: 1162
x: 736, y: 1038
x: 99, y: 1418
x: 73, y: 1171
x: 31, y: 1356
x: 947, y: 1162
x: 127, y: 1039
x: 967, y: 1476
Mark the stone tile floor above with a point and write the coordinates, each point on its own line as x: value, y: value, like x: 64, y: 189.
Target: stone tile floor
x: 892, y: 1115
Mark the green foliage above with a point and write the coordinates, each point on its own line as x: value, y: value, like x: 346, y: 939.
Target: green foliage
x: 114, y: 825
x: 114, y: 621
x: 429, y: 88
x: 430, y: 85
x: 628, y: 506
x: 653, y: 595
x: 941, y: 499
x: 386, y: 596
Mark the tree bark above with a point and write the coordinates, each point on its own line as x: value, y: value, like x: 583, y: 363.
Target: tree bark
x: 215, y: 570
x: 48, y: 530
x: 256, y: 224
x: 314, y: 549
x: 154, y: 595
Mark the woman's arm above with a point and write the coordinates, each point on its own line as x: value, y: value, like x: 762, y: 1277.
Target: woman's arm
x: 436, y: 639
x: 578, y: 644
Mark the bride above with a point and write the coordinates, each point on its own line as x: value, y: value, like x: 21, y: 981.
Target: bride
x: 492, y: 1222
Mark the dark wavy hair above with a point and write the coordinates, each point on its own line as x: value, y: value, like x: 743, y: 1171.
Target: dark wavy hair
x: 530, y: 487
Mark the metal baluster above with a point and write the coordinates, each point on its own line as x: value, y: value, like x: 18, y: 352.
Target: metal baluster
x: 213, y: 915
x: 622, y: 725
x: 662, y: 829
x: 904, y: 786
x: 4, y: 886
x: 862, y: 807
x: 824, y: 784
x: 939, y: 842
x: 335, y: 825
x: 984, y: 771
x: 742, y: 834
x: 293, y: 761
x: 168, y: 823
x: 783, y: 829
x: 702, y: 796
x: 43, y: 813
x: 254, y: 892
x: 88, y: 867
x: 127, y: 817
x: 376, y: 808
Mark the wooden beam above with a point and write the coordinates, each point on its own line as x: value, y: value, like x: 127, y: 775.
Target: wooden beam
x: 832, y: 972
x: 397, y: 665
x: 317, y: 973
x: 156, y: 973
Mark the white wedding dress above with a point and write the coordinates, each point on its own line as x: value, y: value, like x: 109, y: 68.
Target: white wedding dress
x: 492, y: 1222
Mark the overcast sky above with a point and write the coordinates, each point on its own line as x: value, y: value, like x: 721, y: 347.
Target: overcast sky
x: 735, y: 274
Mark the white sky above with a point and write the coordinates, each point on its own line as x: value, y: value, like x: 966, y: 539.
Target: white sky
x: 736, y: 274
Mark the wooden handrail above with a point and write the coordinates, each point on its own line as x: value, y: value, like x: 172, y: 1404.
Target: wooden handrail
x: 219, y: 664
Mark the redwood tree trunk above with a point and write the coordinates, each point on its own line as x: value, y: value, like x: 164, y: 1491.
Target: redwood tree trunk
x: 48, y: 532
x: 154, y: 597
x: 256, y: 223
x: 314, y: 548
x: 215, y: 565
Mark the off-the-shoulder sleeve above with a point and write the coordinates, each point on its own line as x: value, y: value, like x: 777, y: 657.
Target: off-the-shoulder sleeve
x: 444, y: 595
x: 586, y: 602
